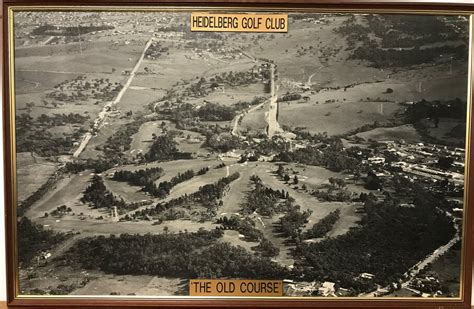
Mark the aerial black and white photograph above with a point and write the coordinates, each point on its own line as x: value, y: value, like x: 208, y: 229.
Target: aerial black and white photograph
x: 330, y: 157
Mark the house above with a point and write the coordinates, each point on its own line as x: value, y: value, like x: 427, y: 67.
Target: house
x: 367, y: 276
x: 327, y: 289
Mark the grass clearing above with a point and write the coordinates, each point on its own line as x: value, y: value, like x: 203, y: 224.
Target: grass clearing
x: 335, y: 118
x: 67, y: 192
x: 404, y: 132
x: 30, y: 182
x: 130, y: 285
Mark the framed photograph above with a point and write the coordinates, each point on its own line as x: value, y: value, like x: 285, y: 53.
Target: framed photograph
x: 238, y: 154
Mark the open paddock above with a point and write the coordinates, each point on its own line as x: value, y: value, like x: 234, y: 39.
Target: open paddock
x: 165, y: 75
x: 374, y: 91
x: 404, y: 132
x: 30, y: 182
x: 231, y: 96
x: 255, y: 120
x: 31, y: 81
x: 335, y: 118
x: 130, y: 285
x: 137, y: 99
x: 82, y: 108
x: 90, y: 58
x: 435, y: 82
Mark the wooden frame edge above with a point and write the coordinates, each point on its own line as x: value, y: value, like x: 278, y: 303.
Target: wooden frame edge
x: 14, y: 301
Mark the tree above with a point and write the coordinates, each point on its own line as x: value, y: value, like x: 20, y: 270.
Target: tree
x: 280, y: 171
x: 163, y: 148
x: 295, y: 180
x: 373, y: 182
x: 445, y: 162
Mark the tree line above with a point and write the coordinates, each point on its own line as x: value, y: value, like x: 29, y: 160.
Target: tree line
x: 208, y: 196
x: 139, y: 177
x: 323, y: 226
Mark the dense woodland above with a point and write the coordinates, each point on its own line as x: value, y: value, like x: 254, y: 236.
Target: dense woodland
x: 184, y: 255
x: 164, y: 148
x: 34, y: 239
x: 139, y: 177
x: 401, y: 41
x: 97, y: 195
x: 423, y: 109
x: 243, y: 225
x: 390, y: 240
x: 332, y: 156
x: 292, y: 223
x: 264, y: 200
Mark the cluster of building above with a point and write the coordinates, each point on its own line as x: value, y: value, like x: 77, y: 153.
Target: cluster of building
x: 421, y: 160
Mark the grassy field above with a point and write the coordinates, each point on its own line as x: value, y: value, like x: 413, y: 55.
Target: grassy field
x: 230, y: 96
x: 435, y: 82
x: 142, y: 140
x: 38, y: 81
x: 30, y: 182
x: 184, y: 68
x: 405, y: 132
x: 106, y: 227
x: 97, y: 57
x: 130, y: 285
x: 254, y: 121
x: 67, y: 192
x: 306, y: 201
x: 137, y: 99
x: 125, y: 191
x: 239, y: 189
x: 335, y: 118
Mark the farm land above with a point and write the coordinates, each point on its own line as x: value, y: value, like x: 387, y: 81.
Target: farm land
x: 292, y: 156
